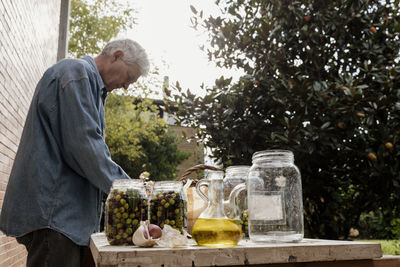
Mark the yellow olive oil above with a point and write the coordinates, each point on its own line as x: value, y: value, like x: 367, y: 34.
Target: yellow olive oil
x: 218, y: 233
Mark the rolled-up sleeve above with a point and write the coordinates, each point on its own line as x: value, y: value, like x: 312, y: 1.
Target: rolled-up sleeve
x: 83, y: 144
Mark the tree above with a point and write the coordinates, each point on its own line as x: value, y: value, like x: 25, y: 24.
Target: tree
x: 138, y: 139
x: 323, y: 80
x: 95, y: 23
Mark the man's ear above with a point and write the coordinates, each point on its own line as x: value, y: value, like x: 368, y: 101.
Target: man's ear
x: 117, y: 55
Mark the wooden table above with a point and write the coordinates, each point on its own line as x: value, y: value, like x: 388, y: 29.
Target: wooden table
x: 309, y: 252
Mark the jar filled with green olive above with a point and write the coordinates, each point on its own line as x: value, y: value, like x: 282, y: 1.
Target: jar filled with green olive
x: 168, y: 205
x: 126, y: 206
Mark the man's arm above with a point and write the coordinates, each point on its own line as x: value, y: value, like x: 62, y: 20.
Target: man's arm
x: 83, y: 145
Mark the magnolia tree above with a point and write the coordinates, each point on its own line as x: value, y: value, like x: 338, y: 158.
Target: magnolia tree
x: 322, y: 79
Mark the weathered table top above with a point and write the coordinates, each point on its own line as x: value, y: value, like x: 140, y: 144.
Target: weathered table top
x: 246, y: 253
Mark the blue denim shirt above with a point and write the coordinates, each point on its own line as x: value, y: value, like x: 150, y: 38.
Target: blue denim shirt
x: 62, y: 163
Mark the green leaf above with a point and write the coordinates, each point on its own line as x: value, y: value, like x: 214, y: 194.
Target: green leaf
x: 325, y: 125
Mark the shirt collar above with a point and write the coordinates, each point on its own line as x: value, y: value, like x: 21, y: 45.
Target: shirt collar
x: 90, y: 60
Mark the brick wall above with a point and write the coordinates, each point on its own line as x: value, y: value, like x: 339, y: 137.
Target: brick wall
x: 29, y: 31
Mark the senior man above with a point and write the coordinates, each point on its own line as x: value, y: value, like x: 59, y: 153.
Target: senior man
x: 53, y: 199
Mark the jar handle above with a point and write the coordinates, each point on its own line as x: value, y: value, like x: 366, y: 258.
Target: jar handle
x: 198, y: 189
x: 233, y: 196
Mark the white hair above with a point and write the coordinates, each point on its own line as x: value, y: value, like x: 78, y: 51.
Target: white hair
x: 133, y: 53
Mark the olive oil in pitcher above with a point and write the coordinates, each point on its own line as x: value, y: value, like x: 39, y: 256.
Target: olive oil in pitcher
x: 217, y: 232
x: 213, y: 228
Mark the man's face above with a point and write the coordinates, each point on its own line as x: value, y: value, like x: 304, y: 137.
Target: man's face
x: 119, y: 74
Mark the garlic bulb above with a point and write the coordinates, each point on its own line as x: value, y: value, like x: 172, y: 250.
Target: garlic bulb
x: 142, y: 236
x: 172, y: 238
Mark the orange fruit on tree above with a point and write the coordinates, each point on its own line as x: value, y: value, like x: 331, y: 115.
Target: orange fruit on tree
x: 359, y: 114
x: 372, y: 156
x: 388, y: 145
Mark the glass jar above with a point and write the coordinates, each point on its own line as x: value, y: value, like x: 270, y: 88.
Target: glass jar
x: 168, y: 205
x: 235, y: 175
x: 275, y: 198
x: 126, y: 206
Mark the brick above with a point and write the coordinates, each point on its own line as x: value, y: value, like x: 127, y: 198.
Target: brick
x: 3, y: 187
x: 3, y: 177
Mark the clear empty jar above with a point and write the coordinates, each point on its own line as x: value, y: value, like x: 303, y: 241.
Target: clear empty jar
x: 235, y: 175
x: 275, y: 198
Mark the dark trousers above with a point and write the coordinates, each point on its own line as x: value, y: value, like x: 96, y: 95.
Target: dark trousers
x: 47, y: 248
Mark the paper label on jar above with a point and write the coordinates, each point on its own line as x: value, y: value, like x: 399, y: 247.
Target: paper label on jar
x: 267, y: 206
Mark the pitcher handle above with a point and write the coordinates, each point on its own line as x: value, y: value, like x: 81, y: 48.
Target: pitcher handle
x: 233, y: 196
x: 198, y: 189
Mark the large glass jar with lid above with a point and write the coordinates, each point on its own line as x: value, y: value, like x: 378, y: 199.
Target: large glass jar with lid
x: 235, y: 175
x: 275, y: 197
x: 126, y: 206
x: 168, y: 205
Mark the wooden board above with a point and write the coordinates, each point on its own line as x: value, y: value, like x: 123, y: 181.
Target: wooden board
x: 247, y: 253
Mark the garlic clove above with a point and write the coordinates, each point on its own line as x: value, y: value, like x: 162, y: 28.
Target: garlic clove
x: 139, y: 237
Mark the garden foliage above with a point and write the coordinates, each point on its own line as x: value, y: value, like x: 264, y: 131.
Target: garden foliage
x: 138, y: 139
x: 95, y: 23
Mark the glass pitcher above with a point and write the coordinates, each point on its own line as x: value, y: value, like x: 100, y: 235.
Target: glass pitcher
x: 213, y: 228
x: 274, y: 193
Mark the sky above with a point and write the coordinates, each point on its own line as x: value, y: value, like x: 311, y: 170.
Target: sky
x: 164, y: 29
